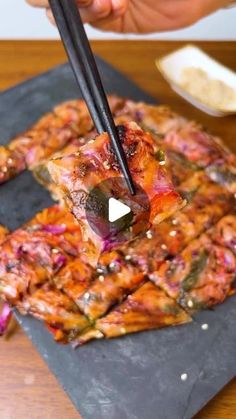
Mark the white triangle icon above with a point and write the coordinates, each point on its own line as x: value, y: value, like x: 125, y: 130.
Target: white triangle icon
x: 116, y: 210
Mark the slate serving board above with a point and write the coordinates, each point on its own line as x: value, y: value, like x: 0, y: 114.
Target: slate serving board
x: 137, y: 376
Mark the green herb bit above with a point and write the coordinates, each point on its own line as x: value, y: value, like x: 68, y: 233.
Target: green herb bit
x: 160, y: 155
x: 197, y: 267
x: 188, y: 195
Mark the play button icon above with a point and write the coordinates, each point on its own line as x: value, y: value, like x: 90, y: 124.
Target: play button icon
x: 114, y: 214
x: 117, y: 210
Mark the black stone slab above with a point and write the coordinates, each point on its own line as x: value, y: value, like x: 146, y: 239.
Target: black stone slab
x: 137, y: 376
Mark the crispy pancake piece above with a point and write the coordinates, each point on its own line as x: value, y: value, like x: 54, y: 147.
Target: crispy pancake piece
x: 223, y: 172
x: 11, y: 163
x: 67, y: 122
x: 33, y: 254
x: 196, y: 145
x: 157, y: 119
x: 78, y: 174
x: 147, y: 308
x: 200, y: 276
x: 57, y: 310
x: 75, y: 278
x: 208, y: 202
x: 3, y: 233
x: 224, y: 232
x: 115, y: 279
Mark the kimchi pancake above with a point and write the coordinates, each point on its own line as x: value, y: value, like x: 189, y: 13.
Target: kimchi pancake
x: 87, y: 335
x: 224, y: 172
x: 118, y: 279
x: 208, y: 202
x: 147, y: 308
x: 158, y: 120
x: 78, y: 174
x: 3, y: 233
x: 11, y: 163
x: 57, y: 310
x: 196, y: 144
x: 33, y: 254
x: 51, y: 133
x: 224, y: 232
x: 200, y: 276
x: 75, y: 278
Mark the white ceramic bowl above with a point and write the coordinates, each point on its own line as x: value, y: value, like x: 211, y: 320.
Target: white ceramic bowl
x: 172, y: 65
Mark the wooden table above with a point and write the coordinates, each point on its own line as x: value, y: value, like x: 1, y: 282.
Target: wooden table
x: 27, y: 388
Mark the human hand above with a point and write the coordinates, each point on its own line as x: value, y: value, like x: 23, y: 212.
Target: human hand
x: 141, y: 16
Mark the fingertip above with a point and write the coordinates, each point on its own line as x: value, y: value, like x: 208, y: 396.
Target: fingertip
x: 50, y: 16
x: 99, y: 9
x: 119, y: 7
x: 38, y: 3
x: 102, y: 8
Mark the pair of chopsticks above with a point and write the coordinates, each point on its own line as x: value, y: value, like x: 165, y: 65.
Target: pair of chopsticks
x: 80, y: 55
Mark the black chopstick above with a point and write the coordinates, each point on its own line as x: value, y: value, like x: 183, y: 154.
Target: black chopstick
x: 82, y: 60
x: 76, y: 62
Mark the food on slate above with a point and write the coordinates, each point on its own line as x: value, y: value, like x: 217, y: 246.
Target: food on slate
x: 51, y: 133
x: 147, y: 308
x: 76, y: 175
x: 33, y: 254
x: 208, y: 202
x: 200, y: 276
x: 118, y: 279
x: 57, y: 310
x: 224, y: 233
x: 52, y: 271
x: 224, y: 173
x: 3, y: 233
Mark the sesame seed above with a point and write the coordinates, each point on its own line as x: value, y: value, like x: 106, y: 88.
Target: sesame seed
x: 9, y: 161
x: 106, y: 165
x: 123, y: 330
x: 86, y: 296
x: 204, y: 326
x: 162, y: 163
x: 112, y: 265
x: 173, y: 233
x: 163, y: 246
x: 149, y: 234
x: 55, y: 251
x: 190, y: 303
x: 101, y: 278
x: 184, y: 376
x: 99, y: 270
x: 90, y: 142
x: 128, y: 257
x: 174, y: 222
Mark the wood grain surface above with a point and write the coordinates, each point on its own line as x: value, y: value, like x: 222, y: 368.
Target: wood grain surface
x: 27, y: 389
